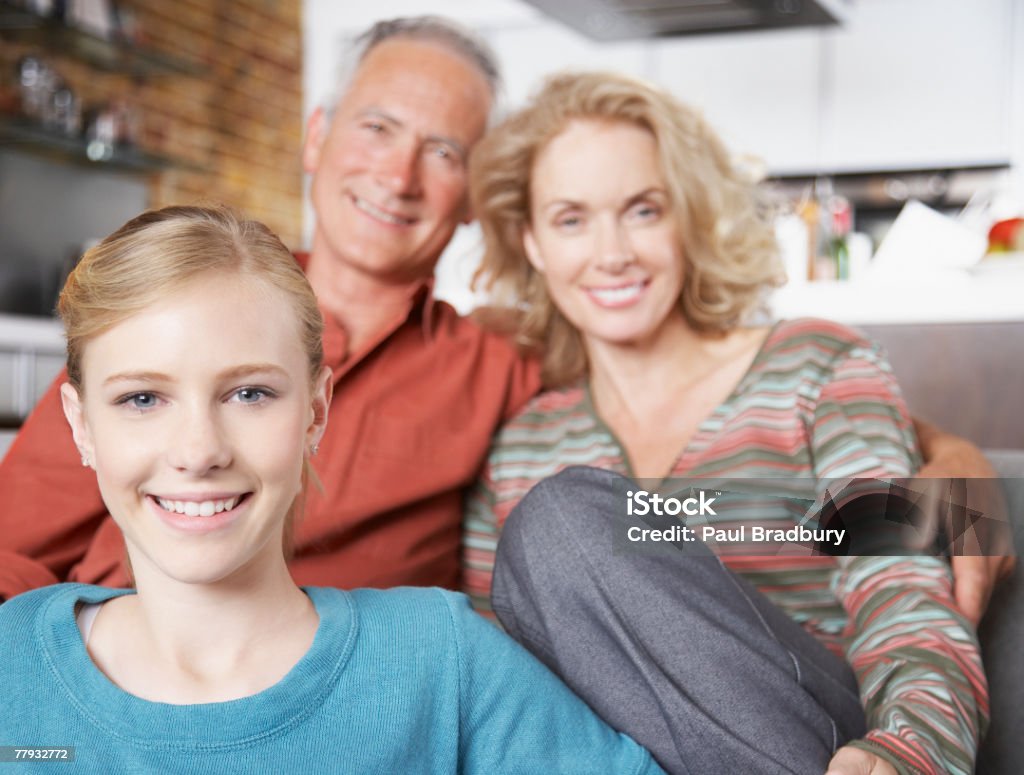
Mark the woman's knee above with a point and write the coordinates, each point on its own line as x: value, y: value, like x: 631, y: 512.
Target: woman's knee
x: 569, y: 505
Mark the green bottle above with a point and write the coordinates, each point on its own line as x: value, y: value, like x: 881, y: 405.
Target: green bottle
x: 840, y: 253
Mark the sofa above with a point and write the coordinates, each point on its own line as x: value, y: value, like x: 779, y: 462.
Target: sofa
x: 1002, y: 639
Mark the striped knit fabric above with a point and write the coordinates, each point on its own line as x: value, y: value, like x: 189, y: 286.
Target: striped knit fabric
x: 819, y: 401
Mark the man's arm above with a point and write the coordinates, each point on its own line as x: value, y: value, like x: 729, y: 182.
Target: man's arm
x: 50, y: 506
x: 949, y: 456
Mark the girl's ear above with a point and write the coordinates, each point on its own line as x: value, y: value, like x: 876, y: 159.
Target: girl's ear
x: 323, y: 389
x: 533, y: 253
x: 75, y: 414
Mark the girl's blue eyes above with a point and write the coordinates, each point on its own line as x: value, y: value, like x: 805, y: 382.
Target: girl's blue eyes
x: 251, y: 395
x: 139, y: 401
x: 144, y: 401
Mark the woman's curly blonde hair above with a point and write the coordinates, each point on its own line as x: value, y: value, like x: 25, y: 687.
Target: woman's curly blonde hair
x: 727, y: 239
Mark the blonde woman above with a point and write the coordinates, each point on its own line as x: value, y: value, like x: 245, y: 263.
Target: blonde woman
x: 197, y: 392
x: 623, y: 248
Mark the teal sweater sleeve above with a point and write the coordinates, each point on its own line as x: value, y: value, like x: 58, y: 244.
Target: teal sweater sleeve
x: 518, y: 717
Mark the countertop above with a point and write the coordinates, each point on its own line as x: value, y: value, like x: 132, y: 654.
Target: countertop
x: 990, y: 294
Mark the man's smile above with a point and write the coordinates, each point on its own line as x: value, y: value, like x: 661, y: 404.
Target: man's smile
x: 380, y: 214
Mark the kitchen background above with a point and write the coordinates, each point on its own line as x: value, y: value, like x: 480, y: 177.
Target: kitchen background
x: 107, y: 108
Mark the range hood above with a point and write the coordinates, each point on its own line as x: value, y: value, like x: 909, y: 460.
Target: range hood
x: 608, y: 20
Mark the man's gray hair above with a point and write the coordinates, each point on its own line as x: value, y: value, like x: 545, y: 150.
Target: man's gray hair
x: 449, y: 34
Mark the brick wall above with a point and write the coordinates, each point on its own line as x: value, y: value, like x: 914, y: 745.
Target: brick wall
x: 241, y: 121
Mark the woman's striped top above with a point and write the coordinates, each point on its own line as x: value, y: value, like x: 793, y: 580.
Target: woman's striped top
x: 818, y: 401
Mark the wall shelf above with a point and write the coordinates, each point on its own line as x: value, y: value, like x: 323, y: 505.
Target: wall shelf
x: 114, y: 55
x: 20, y: 134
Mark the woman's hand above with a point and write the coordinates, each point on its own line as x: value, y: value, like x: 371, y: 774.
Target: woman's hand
x: 855, y: 761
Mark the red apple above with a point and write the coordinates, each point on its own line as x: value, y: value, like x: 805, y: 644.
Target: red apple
x: 1006, y: 235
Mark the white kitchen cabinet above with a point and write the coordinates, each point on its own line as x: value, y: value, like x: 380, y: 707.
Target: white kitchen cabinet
x: 1017, y: 92
x: 6, y: 439
x: 760, y: 91
x: 901, y: 84
x: 31, y: 355
x: 10, y: 382
x: 24, y: 377
x: 918, y: 83
x: 542, y: 48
